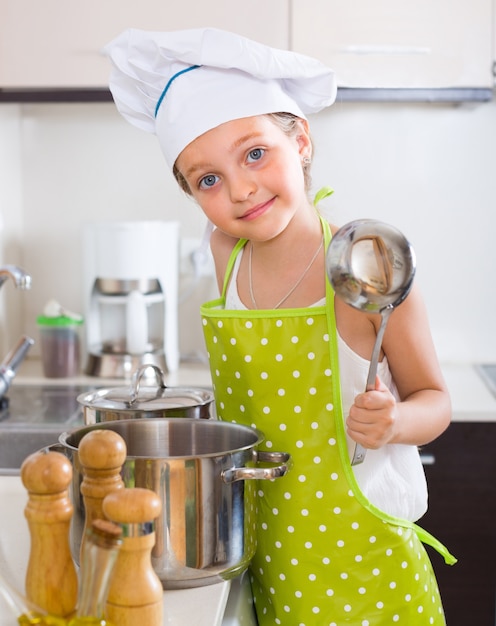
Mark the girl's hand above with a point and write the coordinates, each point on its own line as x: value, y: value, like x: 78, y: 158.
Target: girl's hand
x: 372, y: 418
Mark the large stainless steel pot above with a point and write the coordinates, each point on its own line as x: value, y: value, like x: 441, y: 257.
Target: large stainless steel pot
x: 138, y: 401
x: 203, y: 471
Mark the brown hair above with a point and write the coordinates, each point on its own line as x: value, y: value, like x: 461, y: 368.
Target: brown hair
x: 287, y: 122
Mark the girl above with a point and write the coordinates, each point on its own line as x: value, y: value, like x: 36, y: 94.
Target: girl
x: 336, y: 544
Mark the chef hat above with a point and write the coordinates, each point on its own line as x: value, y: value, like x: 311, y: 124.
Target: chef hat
x: 181, y: 84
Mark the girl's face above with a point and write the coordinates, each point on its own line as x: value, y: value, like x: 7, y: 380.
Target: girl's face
x: 247, y: 176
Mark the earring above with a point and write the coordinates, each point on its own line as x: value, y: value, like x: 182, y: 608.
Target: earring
x: 306, y: 160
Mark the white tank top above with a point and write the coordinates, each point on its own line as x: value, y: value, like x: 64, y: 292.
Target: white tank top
x: 392, y: 477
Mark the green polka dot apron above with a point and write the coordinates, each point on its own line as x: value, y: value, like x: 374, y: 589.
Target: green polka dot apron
x: 325, y: 554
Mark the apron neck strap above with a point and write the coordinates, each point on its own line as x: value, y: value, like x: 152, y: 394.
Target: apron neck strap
x: 230, y: 264
x: 241, y: 243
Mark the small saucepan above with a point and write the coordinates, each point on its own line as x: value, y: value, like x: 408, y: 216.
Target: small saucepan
x: 138, y: 401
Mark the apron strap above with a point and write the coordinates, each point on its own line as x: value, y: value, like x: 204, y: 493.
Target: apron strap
x: 241, y: 243
x: 230, y: 264
x: 430, y: 540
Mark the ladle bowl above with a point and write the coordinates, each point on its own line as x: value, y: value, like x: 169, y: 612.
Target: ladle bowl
x: 371, y: 266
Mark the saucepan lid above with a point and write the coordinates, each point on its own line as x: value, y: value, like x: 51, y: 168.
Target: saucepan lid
x: 136, y: 397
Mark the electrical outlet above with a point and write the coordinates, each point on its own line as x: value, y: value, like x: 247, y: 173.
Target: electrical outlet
x: 195, y: 261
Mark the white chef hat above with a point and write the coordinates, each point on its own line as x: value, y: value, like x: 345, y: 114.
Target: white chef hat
x: 181, y: 84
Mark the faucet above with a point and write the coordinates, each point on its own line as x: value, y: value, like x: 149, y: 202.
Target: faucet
x: 10, y: 364
x: 21, y: 279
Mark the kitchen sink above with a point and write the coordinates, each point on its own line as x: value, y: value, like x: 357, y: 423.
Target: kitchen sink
x: 32, y: 417
x: 18, y: 443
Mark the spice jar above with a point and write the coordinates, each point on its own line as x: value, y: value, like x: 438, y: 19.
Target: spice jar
x: 60, y: 345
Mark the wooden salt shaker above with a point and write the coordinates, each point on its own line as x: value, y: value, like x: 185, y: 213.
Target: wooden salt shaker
x: 101, y: 455
x: 51, y: 579
x: 135, y: 596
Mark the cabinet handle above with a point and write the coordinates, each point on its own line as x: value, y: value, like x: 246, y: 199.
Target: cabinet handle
x: 428, y: 459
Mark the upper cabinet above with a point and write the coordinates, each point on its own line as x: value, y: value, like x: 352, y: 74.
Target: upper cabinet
x: 56, y: 43
x: 421, y: 44
x: 402, y: 45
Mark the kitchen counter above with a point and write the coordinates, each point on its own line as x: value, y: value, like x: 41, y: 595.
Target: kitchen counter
x: 201, y: 606
x: 227, y: 603
x: 190, y: 374
x: 471, y: 399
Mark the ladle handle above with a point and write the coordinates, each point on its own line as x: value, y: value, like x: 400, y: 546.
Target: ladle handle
x: 360, y: 451
x: 374, y: 359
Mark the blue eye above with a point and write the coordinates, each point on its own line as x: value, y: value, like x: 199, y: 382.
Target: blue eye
x: 256, y: 154
x: 208, y: 181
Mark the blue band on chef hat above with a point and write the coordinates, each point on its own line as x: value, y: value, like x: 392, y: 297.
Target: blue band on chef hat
x: 171, y: 80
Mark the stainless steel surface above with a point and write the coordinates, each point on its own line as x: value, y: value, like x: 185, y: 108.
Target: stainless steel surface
x: 140, y: 401
x: 138, y: 378
x: 33, y: 416
x: 120, y: 365
x: 10, y: 364
x: 16, y: 444
x: 453, y: 95
x: 487, y: 371
x: 371, y: 266
x: 117, y: 347
x: 203, y: 471
x: 115, y: 286
x: 22, y: 279
x: 448, y: 94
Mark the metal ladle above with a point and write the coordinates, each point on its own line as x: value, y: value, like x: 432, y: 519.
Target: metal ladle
x: 370, y: 266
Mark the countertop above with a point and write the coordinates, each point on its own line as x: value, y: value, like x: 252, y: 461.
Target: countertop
x: 471, y: 399
x: 189, y: 374
x: 201, y: 606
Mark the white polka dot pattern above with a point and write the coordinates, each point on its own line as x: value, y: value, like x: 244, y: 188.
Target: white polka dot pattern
x: 322, y: 557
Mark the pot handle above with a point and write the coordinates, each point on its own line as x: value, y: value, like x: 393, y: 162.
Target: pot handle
x: 138, y: 375
x: 55, y: 447
x: 283, y: 459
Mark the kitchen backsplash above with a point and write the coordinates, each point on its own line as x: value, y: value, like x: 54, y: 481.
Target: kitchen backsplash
x: 426, y: 168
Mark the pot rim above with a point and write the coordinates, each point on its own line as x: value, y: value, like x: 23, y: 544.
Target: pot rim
x: 123, y: 424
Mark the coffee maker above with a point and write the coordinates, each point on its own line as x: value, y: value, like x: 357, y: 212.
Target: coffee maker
x: 130, y: 282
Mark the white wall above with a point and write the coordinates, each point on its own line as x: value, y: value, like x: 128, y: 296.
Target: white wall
x: 429, y: 169
x: 12, y: 318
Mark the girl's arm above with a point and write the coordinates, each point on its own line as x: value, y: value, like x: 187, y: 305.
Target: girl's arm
x: 424, y: 410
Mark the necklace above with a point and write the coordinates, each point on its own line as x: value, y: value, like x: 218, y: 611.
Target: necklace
x: 305, y: 272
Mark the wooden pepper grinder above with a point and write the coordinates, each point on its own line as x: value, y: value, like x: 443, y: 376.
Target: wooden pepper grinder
x: 51, y: 579
x: 136, y: 595
x: 101, y: 454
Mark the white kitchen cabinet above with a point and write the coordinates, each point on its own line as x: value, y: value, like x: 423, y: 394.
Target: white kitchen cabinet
x: 421, y: 44
x: 56, y: 43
